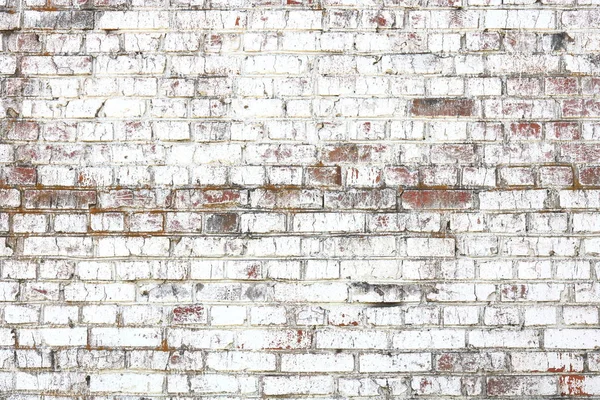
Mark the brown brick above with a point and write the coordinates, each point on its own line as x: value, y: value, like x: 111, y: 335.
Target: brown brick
x: 443, y: 107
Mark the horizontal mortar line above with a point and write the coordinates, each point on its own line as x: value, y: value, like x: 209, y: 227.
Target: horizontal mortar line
x: 323, y: 258
x: 391, y: 281
x: 295, y: 304
x: 317, y: 234
x: 511, y: 304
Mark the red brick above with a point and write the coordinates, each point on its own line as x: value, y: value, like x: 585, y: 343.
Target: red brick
x: 562, y: 131
x: 580, y: 153
x: 572, y: 385
x: 190, y: 314
x: 556, y: 176
x: 561, y: 86
x: 589, y: 176
x: 525, y: 131
x: 437, y: 199
x: 19, y: 176
x: 21, y: 130
x: 400, y: 176
x: 340, y: 153
x: 323, y: 176
x: 581, y: 108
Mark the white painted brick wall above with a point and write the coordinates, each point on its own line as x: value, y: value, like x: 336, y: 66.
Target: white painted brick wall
x: 299, y: 199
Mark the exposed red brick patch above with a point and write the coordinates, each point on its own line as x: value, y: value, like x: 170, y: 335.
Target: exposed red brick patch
x: 520, y: 386
x: 589, y: 176
x: 323, y: 176
x: 220, y: 196
x: 340, y: 153
x: 189, y: 314
x: 580, y: 153
x: 581, y: 108
x: 563, y: 131
x: 21, y: 130
x: 400, y: 176
x: 498, y: 386
x: 437, y: 199
x: 572, y: 385
x: 19, y: 176
x: 445, y: 362
x: 526, y: 131
x: 561, y: 85
x: 443, y: 107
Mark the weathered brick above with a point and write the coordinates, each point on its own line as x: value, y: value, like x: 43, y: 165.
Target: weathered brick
x: 437, y: 199
x: 443, y: 107
x: 300, y: 198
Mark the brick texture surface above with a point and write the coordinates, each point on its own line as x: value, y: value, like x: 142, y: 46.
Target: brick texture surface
x: 299, y: 199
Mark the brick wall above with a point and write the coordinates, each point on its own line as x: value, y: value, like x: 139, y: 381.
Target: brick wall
x: 325, y: 199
